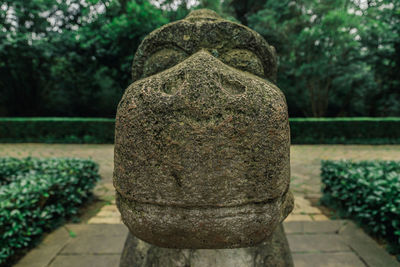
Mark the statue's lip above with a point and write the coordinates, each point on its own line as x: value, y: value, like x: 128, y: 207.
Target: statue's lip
x: 203, y: 206
x: 205, y: 227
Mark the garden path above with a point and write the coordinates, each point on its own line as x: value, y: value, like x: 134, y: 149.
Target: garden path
x: 313, y: 238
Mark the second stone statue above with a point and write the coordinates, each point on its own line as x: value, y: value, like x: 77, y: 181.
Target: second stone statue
x: 202, y: 138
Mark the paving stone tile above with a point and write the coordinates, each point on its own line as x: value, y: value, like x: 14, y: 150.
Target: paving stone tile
x: 105, y: 220
x: 366, y: 247
x: 314, y: 227
x: 313, y: 195
x: 293, y: 227
x: 96, y: 238
x: 341, y: 259
x: 112, y: 207
x: 108, y: 213
x: 316, y: 243
x: 98, y: 229
x: 95, y: 244
x: 298, y: 217
x: 46, y: 250
x: 303, y: 206
x: 86, y: 261
x: 319, y: 217
x: 323, y: 227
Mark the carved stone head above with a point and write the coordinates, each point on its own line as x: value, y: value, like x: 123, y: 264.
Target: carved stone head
x: 202, y: 138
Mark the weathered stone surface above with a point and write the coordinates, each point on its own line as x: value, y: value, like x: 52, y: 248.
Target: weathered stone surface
x: 202, y: 138
x: 274, y: 252
x: 232, y: 43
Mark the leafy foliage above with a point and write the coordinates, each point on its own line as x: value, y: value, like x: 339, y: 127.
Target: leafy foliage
x: 381, y: 41
x: 337, y: 58
x: 69, y: 59
x: 325, y: 54
x: 367, y: 191
x: 37, y: 195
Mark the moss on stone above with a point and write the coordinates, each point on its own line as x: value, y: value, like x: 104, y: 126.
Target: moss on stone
x: 202, y: 138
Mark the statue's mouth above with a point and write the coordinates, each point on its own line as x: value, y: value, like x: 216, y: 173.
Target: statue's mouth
x: 204, y: 226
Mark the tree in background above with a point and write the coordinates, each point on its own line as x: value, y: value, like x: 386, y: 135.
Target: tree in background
x: 381, y: 42
x: 325, y: 67
x: 73, y: 57
x: 69, y: 58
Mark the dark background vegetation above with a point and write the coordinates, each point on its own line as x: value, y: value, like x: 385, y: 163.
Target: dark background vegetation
x: 337, y: 58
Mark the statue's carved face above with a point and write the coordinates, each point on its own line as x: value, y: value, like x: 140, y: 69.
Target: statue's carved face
x: 202, y: 138
x: 231, y: 43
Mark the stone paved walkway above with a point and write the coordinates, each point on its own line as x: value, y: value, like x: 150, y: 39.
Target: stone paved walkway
x: 314, y: 240
x: 313, y: 244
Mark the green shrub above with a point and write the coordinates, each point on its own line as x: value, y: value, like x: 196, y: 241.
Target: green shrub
x: 37, y: 195
x: 303, y: 130
x: 368, y: 192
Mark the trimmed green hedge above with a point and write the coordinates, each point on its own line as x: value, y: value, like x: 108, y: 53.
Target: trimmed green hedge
x: 345, y: 130
x: 369, y: 193
x: 57, y: 130
x: 303, y: 130
x: 37, y: 195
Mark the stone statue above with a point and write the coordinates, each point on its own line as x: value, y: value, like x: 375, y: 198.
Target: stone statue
x: 202, y: 148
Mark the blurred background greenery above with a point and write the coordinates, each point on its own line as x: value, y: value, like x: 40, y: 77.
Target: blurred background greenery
x: 337, y: 58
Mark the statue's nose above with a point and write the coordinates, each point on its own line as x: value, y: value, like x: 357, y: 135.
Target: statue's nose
x: 203, y: 75
x: 203, y: 52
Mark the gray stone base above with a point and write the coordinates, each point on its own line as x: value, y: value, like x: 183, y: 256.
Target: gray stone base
x: 272, y: 253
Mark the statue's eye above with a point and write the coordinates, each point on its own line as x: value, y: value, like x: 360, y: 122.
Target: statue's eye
x: 162, y: 60
x: 244, y: 60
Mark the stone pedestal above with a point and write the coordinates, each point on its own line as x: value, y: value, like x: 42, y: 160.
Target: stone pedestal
x: 274, y: 252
